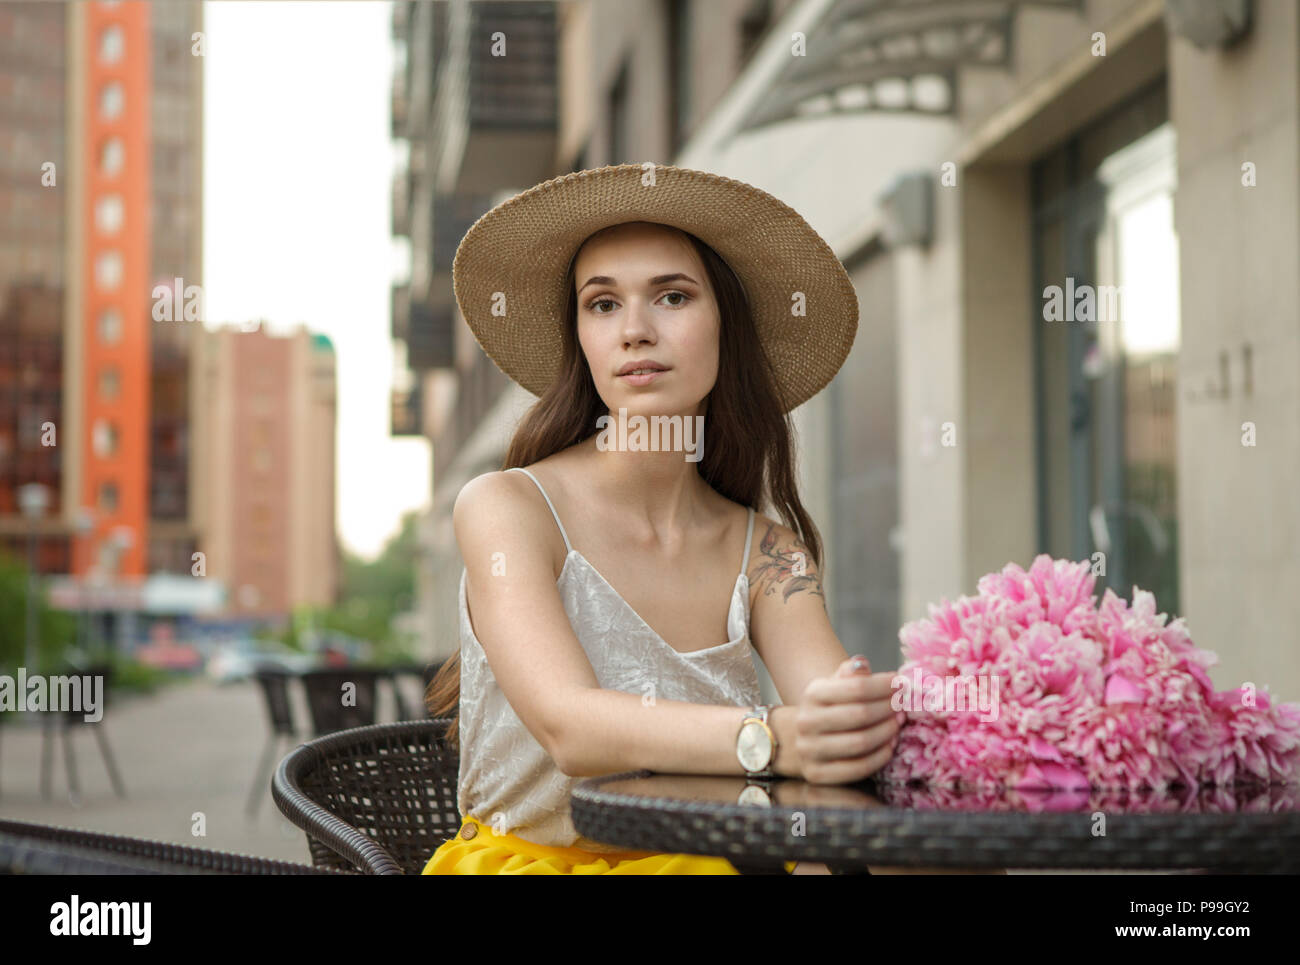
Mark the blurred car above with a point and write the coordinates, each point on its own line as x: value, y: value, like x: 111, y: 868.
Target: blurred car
x: 337, y: 649
x: 169, y: 656
x: 237, y: 661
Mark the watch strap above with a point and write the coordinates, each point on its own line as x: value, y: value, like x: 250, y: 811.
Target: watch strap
x: 761, y: 713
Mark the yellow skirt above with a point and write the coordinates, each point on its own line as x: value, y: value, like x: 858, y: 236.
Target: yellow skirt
x: 485, y: 852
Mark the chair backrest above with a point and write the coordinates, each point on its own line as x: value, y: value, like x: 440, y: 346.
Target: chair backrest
x: 379, y: 799
x: 105, y: 670
x: 275, y: 688
x: 400, y: 706
x: 326, y: 693
x: 27, y: 848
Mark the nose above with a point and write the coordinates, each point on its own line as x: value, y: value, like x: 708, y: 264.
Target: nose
x: 636, y: 325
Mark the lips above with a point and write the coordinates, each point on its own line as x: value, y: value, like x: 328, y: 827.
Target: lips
x: 640, y: 364
x: 645, y: 378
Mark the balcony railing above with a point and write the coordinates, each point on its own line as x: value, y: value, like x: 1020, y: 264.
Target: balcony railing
x: 405, y: 415
x: 429, y: 339
x: 400, y: 101
x: 480, y: 387
x: 401, y: 202
x: 500, y: 113
x: 401, y: 18
x: 400, y: 301
x: 453, y: 215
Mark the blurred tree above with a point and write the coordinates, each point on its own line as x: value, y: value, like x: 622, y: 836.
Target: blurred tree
x: 371, y: 593
x: 57, y: 630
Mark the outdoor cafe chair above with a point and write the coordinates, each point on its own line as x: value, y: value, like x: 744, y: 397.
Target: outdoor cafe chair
x: 423, y: 672
x: 41, y: 849
x: 64, y: 722
x: 274, y: 683
x: 325, y: 690
x: 378, y: 799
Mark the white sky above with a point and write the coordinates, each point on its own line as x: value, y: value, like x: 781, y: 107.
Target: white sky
x: 298, y: 161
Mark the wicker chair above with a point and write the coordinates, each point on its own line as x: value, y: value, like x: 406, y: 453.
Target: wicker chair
x: 65, y: 723
x: 275, y: 691
x: 324, y: 689
x: 378, y: 799
x: 422, y: 672
x: 44, y: 849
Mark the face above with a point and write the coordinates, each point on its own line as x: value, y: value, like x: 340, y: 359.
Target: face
x: 643, y: 294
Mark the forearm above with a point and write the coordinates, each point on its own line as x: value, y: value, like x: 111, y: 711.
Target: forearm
x: 607, y: 731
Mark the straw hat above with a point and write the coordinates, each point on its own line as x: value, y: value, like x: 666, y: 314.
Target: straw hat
x: 522, y: 249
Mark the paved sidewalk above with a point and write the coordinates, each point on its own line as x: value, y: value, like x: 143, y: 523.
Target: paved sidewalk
x: 191, y: 747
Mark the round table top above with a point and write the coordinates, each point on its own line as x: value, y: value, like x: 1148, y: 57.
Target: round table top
x: 1245, y: 828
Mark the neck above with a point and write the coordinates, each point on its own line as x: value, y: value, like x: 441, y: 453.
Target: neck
x: 659, y: 494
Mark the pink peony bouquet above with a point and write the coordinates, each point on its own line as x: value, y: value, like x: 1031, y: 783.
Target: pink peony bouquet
x: 1032, y: 684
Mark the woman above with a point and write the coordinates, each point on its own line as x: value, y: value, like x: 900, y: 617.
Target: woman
x: 613, y: 586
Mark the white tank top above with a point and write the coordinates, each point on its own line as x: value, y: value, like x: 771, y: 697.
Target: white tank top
x: 504, y: 770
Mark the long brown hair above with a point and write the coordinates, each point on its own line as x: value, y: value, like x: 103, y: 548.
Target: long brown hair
x: 751, y: 435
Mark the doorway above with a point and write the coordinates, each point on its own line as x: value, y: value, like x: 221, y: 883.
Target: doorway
x: 1107, y: 339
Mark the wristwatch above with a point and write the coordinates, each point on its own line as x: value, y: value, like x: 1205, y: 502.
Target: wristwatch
x: 756, y: 744
x: 756, y: 791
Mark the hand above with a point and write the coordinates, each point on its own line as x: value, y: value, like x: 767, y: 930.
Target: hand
x: 845, y: 727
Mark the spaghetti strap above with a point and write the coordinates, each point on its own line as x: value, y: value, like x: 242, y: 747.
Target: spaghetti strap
x: 567, y: 547
x: 749, y: 535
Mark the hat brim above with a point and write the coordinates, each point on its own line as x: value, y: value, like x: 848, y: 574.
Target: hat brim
x: 509, y: 268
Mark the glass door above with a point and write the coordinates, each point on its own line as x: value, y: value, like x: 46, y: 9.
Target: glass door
x: 1106, y: 332
x: 1135, y: 521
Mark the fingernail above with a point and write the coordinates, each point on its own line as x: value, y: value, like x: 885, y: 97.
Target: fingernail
x: 861, y: 663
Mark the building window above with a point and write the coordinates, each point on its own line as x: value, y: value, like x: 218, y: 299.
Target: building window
x: 105, y: 439
x: 108, y: 270
x: 110, y: 326
x: 111, y: 44
x: 108, y: 497
x: 111, y: 157
x: 108, y: 214
x: 109, y: 386
x: 111, y: 101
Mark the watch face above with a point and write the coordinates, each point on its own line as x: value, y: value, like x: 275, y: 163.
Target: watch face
x: 753, y: 794
x: 754, y: 747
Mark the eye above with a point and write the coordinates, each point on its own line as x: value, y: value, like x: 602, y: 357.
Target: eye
x: 591, y: 305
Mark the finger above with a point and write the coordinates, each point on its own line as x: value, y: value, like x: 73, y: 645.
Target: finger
x: 854, y: 687
x: 847, y: 771
x: 853, y: 665
x: 849, y: 745
x: 850, y: 715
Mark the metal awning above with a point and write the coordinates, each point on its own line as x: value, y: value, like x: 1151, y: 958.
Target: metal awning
x: 899, y: 56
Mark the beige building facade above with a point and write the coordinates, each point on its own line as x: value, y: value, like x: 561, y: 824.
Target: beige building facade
x: 965, y: 161
x: 265, y: 465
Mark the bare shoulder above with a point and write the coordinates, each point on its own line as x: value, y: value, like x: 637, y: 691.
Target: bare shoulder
x: 487, y: 494
x: 780, y: 564
x: 500, y: 510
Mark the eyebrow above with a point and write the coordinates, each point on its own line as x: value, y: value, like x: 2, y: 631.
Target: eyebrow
x: 656, y: 280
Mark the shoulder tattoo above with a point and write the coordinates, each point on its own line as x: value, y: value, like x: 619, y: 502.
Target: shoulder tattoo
x: 787, y: 569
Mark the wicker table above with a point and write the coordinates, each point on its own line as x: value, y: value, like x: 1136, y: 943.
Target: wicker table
x: 1246, y: 829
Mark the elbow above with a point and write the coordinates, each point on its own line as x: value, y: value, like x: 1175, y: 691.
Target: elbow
x: 559, y: 748
x: 564, y: 766
x: 566, y: 763
x: 567, y: 755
